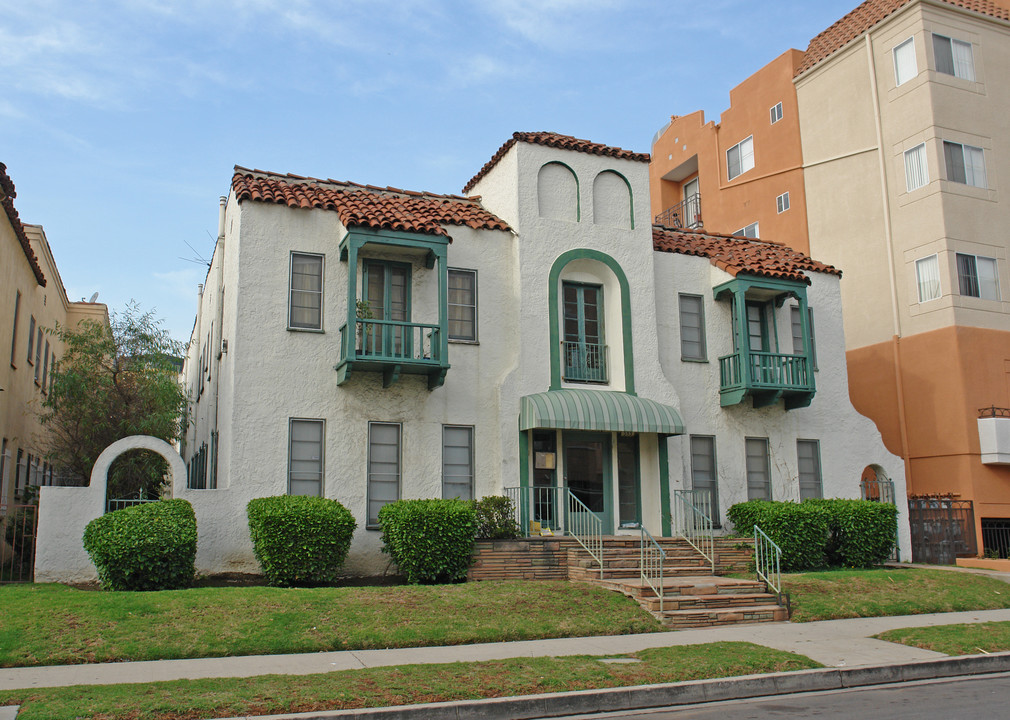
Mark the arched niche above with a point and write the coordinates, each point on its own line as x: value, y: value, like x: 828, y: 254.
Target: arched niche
x: 558, y: 192
x: 613, y: 203
x: 100, y: 472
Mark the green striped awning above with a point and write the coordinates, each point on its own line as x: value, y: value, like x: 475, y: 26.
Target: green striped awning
x: 597, y: 410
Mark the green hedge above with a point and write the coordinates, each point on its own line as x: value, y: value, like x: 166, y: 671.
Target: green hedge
x: 818, y: 533
x: 300, y: 540
x: 496, y: 518
x: 144, y: 547
x: 431, y: 541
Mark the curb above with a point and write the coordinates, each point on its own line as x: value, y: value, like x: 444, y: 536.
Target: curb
x: 642, y: 697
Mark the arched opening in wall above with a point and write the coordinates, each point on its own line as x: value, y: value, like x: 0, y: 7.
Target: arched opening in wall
x: 135, y: 477
x: 558, y: 192
x: 875, y: 485
x: 612, y: 201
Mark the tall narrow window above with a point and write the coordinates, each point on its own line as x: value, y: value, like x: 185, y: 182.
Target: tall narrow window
x: 776, y: 113
x: 759, y: 485
x: 305, y: 293
x: 953, y: 57
x: 45, y: 368
x: 457, y: 462
x: 977, y: 277
x: 383, y: 468
x: 5, y: 469
x: 904, y: 62
x: 927, y: 276
x: 797, y: 329
x: 31, y: 340
x: 305, y: 457
x: 14, y: 332
x: 782, y: 203
x: 692, y: 328
x: 38, y: 356
x: 916, y: 172
x: 462, y: 304
x: 740, y: 158
x: 965, y: 164
x: 52, y: 372
x: 808, y: 456
x: 387, y: 289
x: 584, y: 350
x: 757, y: 327
x: 704, y: 478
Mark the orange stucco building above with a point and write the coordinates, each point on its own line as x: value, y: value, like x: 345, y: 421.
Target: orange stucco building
x: 891, y: 145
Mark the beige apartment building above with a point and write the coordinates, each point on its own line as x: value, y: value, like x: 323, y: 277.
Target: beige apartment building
x: 32, y: 302
x: 901, y: 115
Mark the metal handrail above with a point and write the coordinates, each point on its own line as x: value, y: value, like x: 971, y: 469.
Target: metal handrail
x: 693, y: 524
x: 652, y: 558
x: 585, y: 362
x: 767, y: 560
x: 587, y: 528
x: 537, y: 504
x: 686, y: 213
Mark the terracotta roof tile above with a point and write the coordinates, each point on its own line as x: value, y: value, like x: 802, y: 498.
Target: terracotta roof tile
x: 871, y: 12
x: 736, y: 254
x: 366, y: 205
x: 7, y: 195
x: 554, y: 140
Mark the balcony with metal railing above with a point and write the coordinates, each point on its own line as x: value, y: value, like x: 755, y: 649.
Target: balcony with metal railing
x: 685, y: 214
x: 767, y: 377
x: 393, y: 348
x: 584, y: 362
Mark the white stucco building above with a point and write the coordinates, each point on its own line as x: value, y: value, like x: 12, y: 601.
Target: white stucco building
x: 369, y: 344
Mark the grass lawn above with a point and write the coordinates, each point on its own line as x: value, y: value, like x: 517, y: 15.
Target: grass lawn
x: 228, y: 697
x: 967, y: 639
x: 890, y: 591
x: 55, y: 624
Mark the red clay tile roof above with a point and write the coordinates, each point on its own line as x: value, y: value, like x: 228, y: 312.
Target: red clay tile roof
x: 871, y: 12
x: 736, y: 254
x: 7, y: 195
x: 366, y: 205
x: 554, y: 140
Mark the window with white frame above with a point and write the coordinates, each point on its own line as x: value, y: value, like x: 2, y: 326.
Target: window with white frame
x: 457, y: 462
x: 965, y: 164
x: 927, y: 278
x: 740, y: 158
x: 704, y: 477
x: 692, y: 328
x: 797, y: 331
x: 904, y: 62
x: 953, y: 57
x: 383, y: 468
x: 808, y: 456
x: 305, y: 292
x: 463, y: 305
x: 916, y: 172
x: 750, y: 231
x: 776, y: 113
x: 305, y: 457
x: 782, y: 202
x: 977, y: 276
x: 759, y: 486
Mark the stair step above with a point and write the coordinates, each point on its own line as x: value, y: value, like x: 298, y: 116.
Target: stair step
x: 708, y: 602
x: 683, y: 619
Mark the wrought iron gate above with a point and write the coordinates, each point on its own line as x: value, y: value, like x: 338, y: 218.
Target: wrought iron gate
x: 18, y: 531
x: 942, y: 530
x: 881, y: 491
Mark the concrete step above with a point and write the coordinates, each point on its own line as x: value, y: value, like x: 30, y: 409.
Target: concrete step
x: 708, y: 602
x: 683, y: 619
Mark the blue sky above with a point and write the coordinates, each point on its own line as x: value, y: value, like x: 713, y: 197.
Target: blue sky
x: 120, y: 122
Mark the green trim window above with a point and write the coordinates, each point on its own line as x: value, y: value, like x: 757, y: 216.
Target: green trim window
x: 759, y: 486
x: 463, y: 305
x: 757, y: 327
x: 704, y: 473
x: 457, y: 461
x: 808, y: 458
x: 305, y: 292
x: 305, y: 457
x: 796, y: 322
x: 14, y: 329
x: 383, y: 468
x: 585, y: 353
x: 31, y: 340
x: 692, y: 328
x: 38, y: 355
x: 45, y: 369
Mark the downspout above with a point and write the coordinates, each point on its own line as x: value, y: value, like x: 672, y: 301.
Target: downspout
x: 889, y: 242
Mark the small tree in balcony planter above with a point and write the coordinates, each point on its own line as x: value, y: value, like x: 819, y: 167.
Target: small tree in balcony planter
x: 363, y: 332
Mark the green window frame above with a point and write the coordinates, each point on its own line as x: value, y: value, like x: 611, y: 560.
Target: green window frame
x: 384, y: 468
x: 14, y: 330
x: 583, y: 332
x: 692, y: 328
x: 705, y: 473
x: 38, y: 356
x: 305, y: 291
x: 462, y: 301
x: 457, y: 462
x: 797, y: 331
x: 31, y: 340
x: 759, y: 486
x: 808, y: 461
x: 306, y: 461
x: 757, y: 327
x: 386, y: 287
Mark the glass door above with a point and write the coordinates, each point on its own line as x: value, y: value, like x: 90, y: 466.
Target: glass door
x: 587, y: 474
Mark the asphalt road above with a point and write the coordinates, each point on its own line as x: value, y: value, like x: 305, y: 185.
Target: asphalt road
x: 974, y: 697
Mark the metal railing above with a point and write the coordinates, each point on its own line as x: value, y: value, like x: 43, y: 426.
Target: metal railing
x: 685, y: 214
x: 994, y: 412
x: 538, y: 508
x: 113, y: 504
x: 693, y: 523
x: 391, y: 340
x: 584, y: 362
x: 586, y: 527
x: 765, y: 370
x: 18, y: 532
x: 767, y: 560
x: 995, y: 538
x: 651, y: 561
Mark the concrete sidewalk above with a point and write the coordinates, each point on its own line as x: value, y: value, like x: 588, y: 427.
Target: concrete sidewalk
x: 834, y: 643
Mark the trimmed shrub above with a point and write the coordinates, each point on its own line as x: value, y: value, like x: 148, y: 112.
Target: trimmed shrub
x: 799, y: 529
x: 496, y: 518
x: 144, y: 547
x: 431, y: 541
x: 300, y: 540
x: 861, y: 532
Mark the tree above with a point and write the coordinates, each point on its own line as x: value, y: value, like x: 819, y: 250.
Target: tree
x: 112, y: 382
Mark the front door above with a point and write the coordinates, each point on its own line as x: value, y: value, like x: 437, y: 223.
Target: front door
x: 587, y: 475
